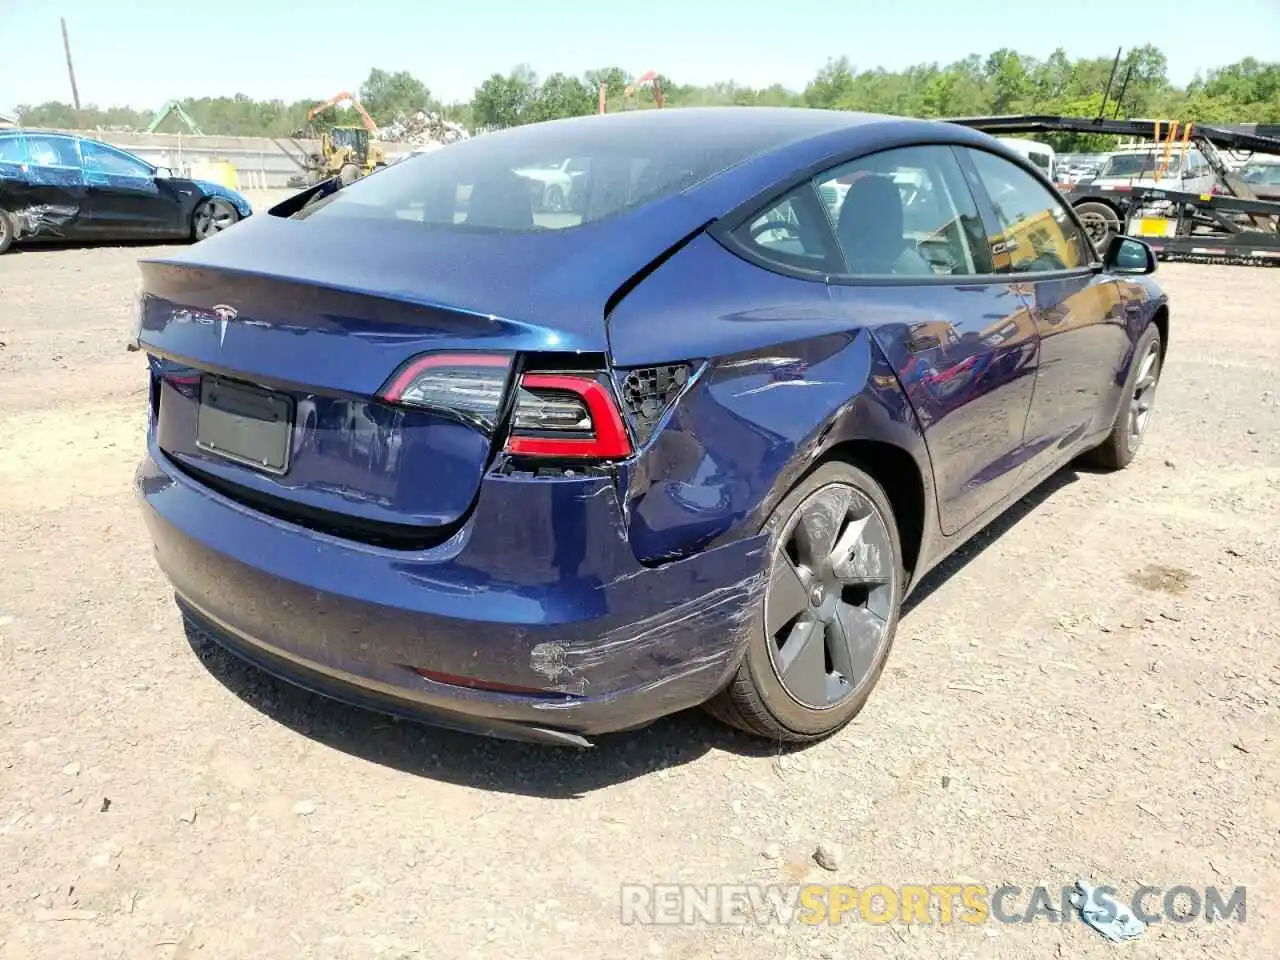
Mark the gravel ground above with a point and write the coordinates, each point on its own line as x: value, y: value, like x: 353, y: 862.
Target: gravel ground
x: 1091, y: 689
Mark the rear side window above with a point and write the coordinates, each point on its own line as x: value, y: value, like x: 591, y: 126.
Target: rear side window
x: 791, y: 232
x: 906, y: 213
x: 52, y: 152
x: 13, y: 150
x: 1038, y: 234
x: 541, y: 177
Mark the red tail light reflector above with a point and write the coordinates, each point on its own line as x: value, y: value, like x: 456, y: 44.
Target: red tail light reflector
x: 566, y: 415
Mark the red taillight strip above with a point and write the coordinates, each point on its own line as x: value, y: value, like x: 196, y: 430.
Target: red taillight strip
x: 610, y: 440
x: 395, y: 390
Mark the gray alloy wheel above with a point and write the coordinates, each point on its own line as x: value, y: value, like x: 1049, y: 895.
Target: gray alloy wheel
x: 827, y: 608
x: 1143, y: 397
x: 828, y: 613
x: 213, y: 216
x: 1136, y: 407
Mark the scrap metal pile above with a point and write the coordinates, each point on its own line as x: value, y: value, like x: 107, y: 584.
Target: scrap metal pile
x: 422, y: 128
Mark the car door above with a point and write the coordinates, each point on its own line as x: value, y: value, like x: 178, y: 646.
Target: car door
x: 919, y: 274
x: 1080, y: 312
x: 42, y: 184
x: 124, y: 196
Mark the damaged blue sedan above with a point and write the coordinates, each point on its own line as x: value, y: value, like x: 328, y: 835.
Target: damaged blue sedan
x: 59, y: 187
x: 428, y: 446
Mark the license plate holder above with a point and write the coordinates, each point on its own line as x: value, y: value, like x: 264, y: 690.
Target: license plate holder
x: 245, y: 424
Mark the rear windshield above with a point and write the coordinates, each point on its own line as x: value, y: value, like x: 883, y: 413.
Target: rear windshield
x: 551, y: 176
x: 1138, y: 164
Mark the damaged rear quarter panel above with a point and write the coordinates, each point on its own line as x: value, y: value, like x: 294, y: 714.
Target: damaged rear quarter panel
x: 786, y: 379
x: 43, y: 201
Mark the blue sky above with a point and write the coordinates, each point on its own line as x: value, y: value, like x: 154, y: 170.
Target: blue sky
x: 144, y: 52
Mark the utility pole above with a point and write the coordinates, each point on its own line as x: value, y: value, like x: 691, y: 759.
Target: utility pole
x: 71, y: 71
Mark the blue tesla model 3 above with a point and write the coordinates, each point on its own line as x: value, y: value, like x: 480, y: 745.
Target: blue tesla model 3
x: 540, y: 463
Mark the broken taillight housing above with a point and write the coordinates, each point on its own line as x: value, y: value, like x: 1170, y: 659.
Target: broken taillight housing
x: 469, y: 386
x: 555, y: 415
x: 566, y: 415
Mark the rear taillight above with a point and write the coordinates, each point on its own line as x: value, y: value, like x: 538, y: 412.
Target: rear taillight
x: 566, y: 415
x: 555, y: 415
x: 469, y: 386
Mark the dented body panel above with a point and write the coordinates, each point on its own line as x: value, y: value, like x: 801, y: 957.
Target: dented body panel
x: 540, y: 590
x: 793, y: 378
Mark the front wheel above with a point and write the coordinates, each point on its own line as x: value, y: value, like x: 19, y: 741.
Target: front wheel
x: 349, y: 174
x: 213, y: 216
x: 824, y: 626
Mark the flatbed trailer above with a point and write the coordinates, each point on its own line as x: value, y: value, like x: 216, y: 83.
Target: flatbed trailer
x: 1228, y: 226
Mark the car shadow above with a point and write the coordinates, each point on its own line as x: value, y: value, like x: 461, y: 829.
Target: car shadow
x: 503, y: 766
x: 985, y: 537
x: 37, y: 246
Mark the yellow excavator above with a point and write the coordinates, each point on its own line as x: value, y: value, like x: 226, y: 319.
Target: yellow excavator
x: 346, y: 152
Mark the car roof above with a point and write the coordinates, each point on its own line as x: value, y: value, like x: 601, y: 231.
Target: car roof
x: 767, y: 125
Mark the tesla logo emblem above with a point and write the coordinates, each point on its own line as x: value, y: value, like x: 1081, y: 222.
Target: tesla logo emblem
x: 225, y: 315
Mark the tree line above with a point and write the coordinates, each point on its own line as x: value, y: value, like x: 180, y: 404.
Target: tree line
x: 1002, y: 82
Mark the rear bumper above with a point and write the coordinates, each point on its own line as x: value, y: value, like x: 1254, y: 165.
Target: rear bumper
x: 540, y: 592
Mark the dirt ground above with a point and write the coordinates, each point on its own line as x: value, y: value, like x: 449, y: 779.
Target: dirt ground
x: 1090, y: 690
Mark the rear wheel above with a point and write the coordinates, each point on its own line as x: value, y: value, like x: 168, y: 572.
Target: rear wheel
x: 825, y: 625
x: 349, y: 174
x: 213, y: 216
x: 1136, y: 408
x: 8, y: 231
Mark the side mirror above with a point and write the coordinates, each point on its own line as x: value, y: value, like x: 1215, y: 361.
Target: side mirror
x: 163, y: 173
x: 1130, y: 256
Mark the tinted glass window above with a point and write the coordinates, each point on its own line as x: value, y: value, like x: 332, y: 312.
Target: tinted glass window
x: 51, y: 151
x: 539, y: 177
x: 1268, y: 173
x: 13, y: 150
x: 101, y: 159
x: 905, y: 213
x: 1038, y: 233
x: 791, y: 232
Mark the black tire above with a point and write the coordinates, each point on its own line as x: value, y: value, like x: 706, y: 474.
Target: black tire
x: 756, y: 699
x: 212, y: 215
x: 1100, y: 221
x: 1122, y: 444
x: 8, y: 231
x: 349, y: 174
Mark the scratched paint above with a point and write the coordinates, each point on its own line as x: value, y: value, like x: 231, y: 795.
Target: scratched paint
x: 724, y: 613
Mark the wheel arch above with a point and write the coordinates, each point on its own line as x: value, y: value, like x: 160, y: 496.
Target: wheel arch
x: 900, y: 475
x: 1161, y: 320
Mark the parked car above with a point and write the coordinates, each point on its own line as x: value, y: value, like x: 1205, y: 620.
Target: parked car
x: 553, y: 184
x: 692, y: 445
x: 1263, y: 177
x: 61, y: 187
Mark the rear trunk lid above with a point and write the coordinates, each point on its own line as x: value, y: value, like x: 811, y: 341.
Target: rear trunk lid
x: 269, y: 345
